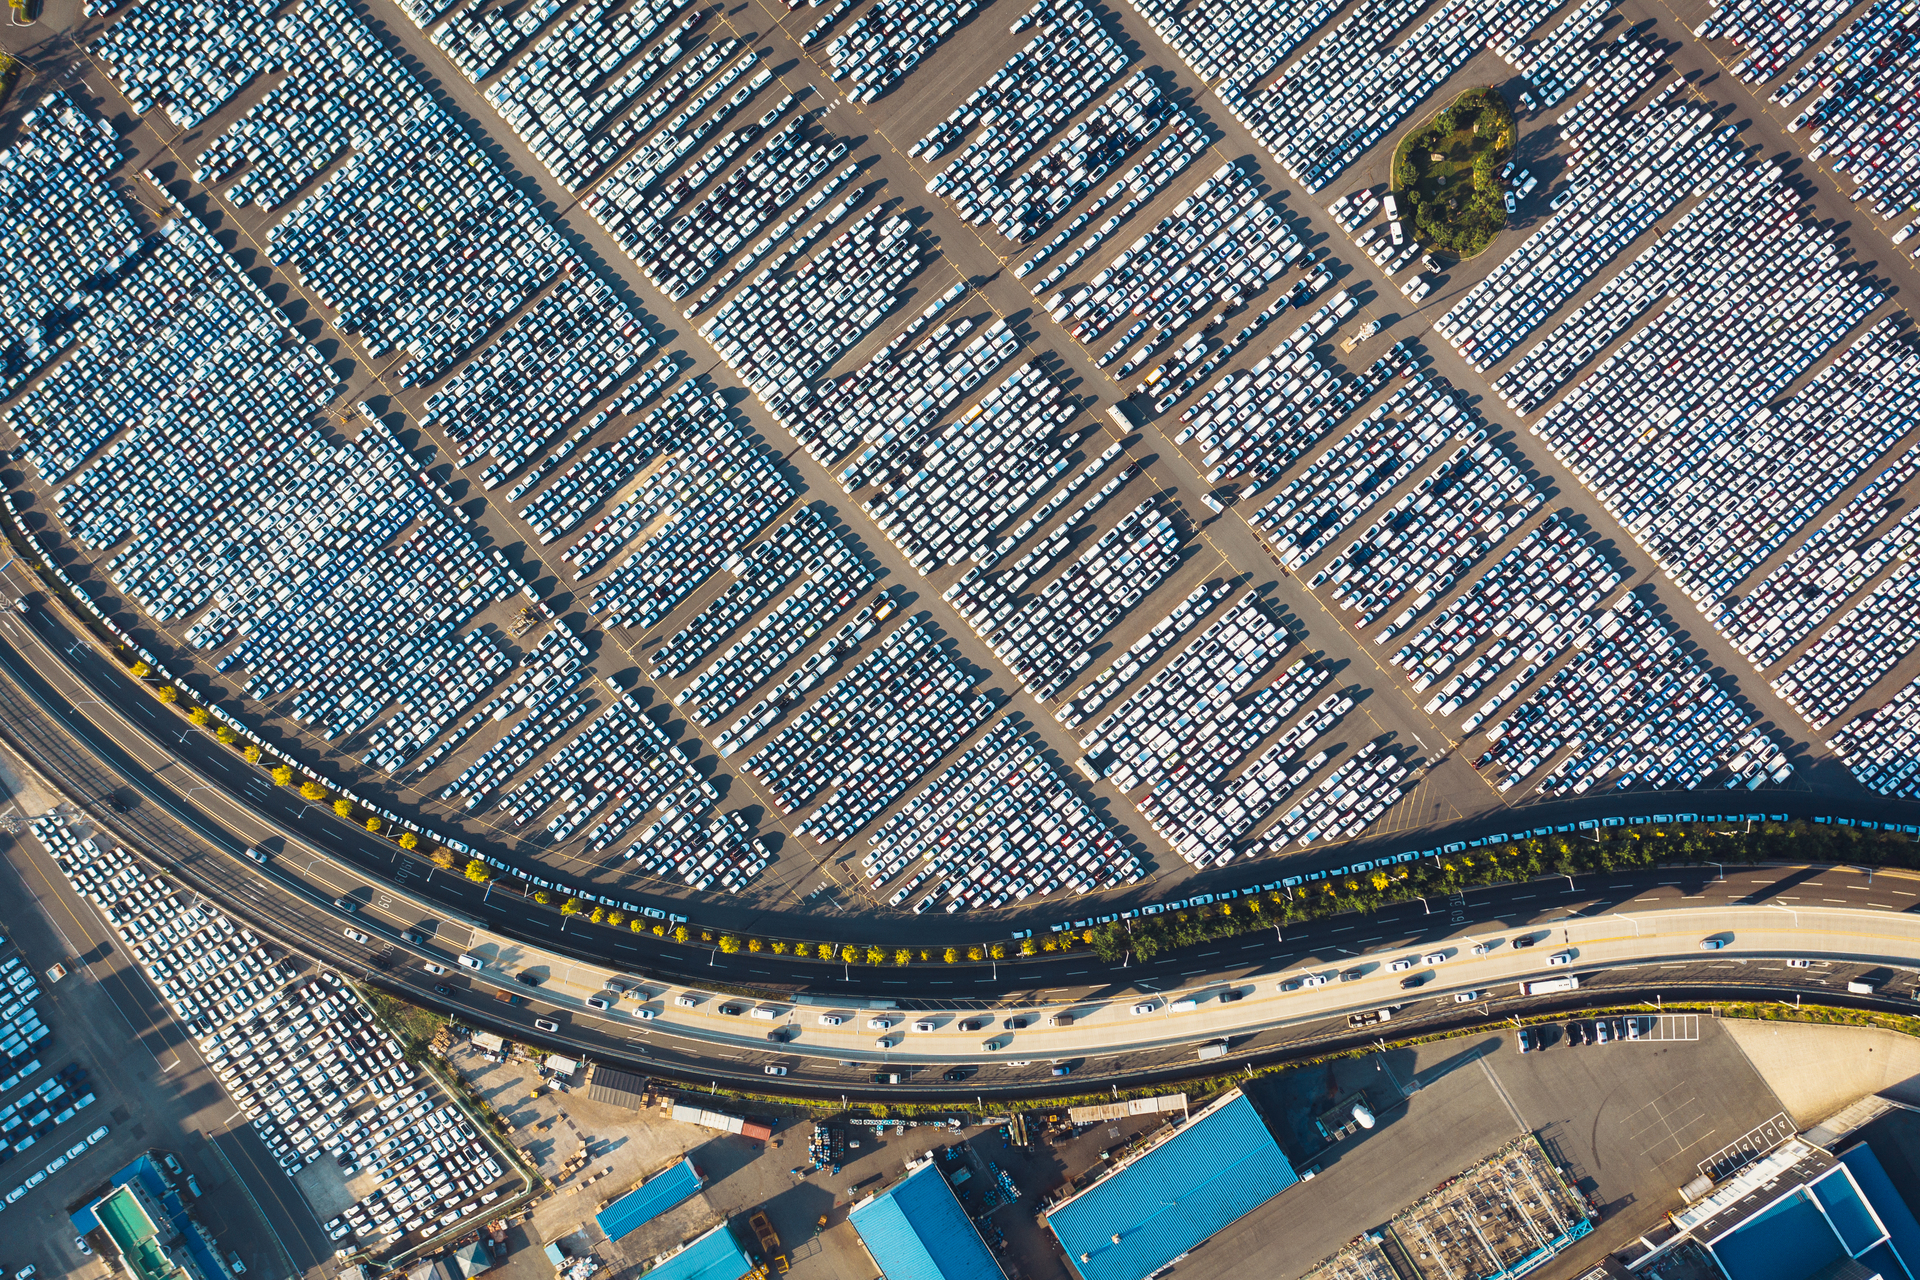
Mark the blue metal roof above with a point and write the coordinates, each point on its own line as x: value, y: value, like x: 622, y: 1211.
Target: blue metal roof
x: 648, y: 1201
x: 714, y: 1256
x: 1902, y: 1229
x: 1221, y: 1167
x: 918, y: 1231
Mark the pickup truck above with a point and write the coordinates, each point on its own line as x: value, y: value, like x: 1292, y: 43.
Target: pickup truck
x: 1370, y: 1018
x: 510, y: 997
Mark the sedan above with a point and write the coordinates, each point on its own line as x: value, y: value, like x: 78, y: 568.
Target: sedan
x: 77, y: 1149
x: 831, y: 1019
x: 1434, y: 957
x: 1015, y: 1024
x: 96, y: 1135
x: 776, y: 1071
x: 433, y: 968
x: 1314, y: 980
x: 879, y: 1024
x: 1466, y: 997
x: 1799, y: 964
x: 1147, y: 1006
x: 1712, y: 944
x: 547, y: 1025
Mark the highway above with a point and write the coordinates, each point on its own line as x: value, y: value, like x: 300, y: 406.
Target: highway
x: 1626, y: 922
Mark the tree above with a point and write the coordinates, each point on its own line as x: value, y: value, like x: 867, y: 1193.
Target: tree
x: 902, y: 957
x: 950, y: 955
x: 478, y: 871
x: 1027, y: 947
x: 875, y: 955
x: 998, y: 951
x: 637, y: 924
x: 409, y: 841
x: 849, y: 953
x: 616, y: 916
x: 226, y: 735
x: 442, y: 857
x: 975, y: 953
x: 167, y: 694
x: 140, y: 670
x: 779, y: 947
x: 542, y: 897
x: 251, y: 753
x: 755, y: 945
x: 598, y: 914
x: 311, y: 790
x: 729, y: 943
x: 343, y: 807
x: 283, y: 775
x: 571, y: 907
x: 200, y: 716
x: 679, y: 933
x: 374, y: 824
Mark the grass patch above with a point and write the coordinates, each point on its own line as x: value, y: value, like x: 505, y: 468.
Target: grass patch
x: 1446, y: 171
x: 9, y: 76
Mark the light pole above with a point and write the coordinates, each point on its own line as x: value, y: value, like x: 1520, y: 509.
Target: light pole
x: 1570, y: 888
x: 1720, y: 873
x: 1630, y: 920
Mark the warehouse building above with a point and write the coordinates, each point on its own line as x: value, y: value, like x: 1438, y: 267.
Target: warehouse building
x: 918, y: 1230
x: 1164, y: 1201
x: 649, y: 1200
x: 150, y: 1228
x: 713, y: 1256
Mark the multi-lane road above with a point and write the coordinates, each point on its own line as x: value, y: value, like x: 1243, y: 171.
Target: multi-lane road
x: 1631, y: 934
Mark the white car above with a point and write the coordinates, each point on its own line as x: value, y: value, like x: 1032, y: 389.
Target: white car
x: 96, y: 1135
x: 1799, y: 964
x: 685, y: 1001
x: 1560, y: 957
x: 77, y: 1149
x: 354, y: 935
x: 831, y: 1019
x: 1401, y: 965
x: 1434, y: 957
x: 923, y: 1025
x: 776, y: 1071
x: 1314, y: 980
x: 1145, y: 1007
x: 431, y: 967
x: 1465, y: 997
x: 879, y: 1024
x: 645, y: 1015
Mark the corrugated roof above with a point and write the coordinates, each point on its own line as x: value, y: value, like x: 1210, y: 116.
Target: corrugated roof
x: 620, y: 1088
x: 1218, y: 1169
x: 714, y: 1256
x: 918, y: 1231
x: 648, y: 1201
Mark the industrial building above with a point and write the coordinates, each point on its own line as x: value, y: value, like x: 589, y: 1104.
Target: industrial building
x: 650, y: 1199
x: 1797, y: 1213
x: 917, y: 1230
x: 713, y: 1256
x: 1159, y: 1204
x: 149, y: 1227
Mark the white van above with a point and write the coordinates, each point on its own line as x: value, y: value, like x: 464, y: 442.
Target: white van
x: 763, y: 1013
x: 471, y: 962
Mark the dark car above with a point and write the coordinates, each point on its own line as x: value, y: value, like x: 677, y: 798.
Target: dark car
x: 1014, y: 1024
x: 1352, y: 975
x: 975, y: 1024
x: 443, y: 991
x: 1573, y: 1034
x: 527, y: 976
x: 1525, y: 940
x: 958, y: 1073
x: 1416, y: 979
x: 1230, y: 995
x: 346, y: 904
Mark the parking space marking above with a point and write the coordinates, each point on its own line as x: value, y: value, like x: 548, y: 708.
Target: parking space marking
x: 1749, y: 1146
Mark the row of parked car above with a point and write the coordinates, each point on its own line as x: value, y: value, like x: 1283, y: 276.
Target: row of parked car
x: 567, y: 351
x: 1626, y: 70
x: 888, y: 41
x: 942, y: 494
x: 1676, y: 149
x: 1533, y: 602
x: 1000, y: 823
x: 760, y: 573
x: 1856, y: 652
x: 450, y: 681
x: 1233, y: 42
x: 606, y: 467
x: 479, y: 39
x: 1863, y: 124
x: 1365, y: 465
x: 723, y: 853
x: 1432, y: 535
x: 1635, y: 707
x: 786, y: 327
x: 836, y: 576
x: 1107, y: 683
x: 702, y: 504
x: 69, y: 228
x: 882, y: 727
x: 549, y: 672
x: 560, y: 96
x: 303, y: 1057
x: 1882, y: 747
x: 1832, y: 565
x: 622, y: 767
x: 814, y: 669
x: 1559, y: 64
x: 1773, y: 35
x: 1679, y: 435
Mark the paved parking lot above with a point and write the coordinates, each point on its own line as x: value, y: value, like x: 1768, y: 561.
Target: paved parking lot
x: 624, y: 540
